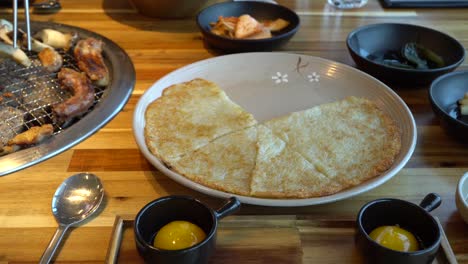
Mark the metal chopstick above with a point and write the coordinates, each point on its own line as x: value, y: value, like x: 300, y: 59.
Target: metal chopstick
x: 15, y: 23
x: 28, y: 24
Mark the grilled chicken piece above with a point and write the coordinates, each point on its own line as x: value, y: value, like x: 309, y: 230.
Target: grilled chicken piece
x: 51, y: 60
x: 88, y: 53
x: 32, y: 136
x: 11, y: 123
x: 82, y: 98
x: 8, y: 149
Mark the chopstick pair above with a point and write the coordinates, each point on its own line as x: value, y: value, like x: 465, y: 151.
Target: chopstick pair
x: 15, y: 23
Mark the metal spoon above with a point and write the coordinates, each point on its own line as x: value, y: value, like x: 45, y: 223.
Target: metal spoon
x: 75, y: 200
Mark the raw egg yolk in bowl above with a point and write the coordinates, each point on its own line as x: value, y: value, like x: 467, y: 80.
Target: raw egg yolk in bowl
x: 395, y: 237
x: 178, y: 235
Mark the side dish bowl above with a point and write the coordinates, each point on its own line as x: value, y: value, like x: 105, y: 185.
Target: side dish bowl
x: 156, y: 214
x: 444, y: 93
x: 461, y: 198
x: 368, y: 43
x: 394, y: 212
x: 259, y: 11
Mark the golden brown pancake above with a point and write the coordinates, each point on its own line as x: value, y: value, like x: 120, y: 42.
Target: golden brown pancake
x: 281, y: 172
x: 201, y: 134
x: 224, y: 164
x: 349, y: 141
x: 190, y: 115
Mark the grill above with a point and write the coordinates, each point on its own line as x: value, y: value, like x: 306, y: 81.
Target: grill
x: 31, y: 92
x: 22, y: 92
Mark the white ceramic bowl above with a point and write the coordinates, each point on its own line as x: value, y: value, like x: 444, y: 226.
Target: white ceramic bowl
x: 461, y: 197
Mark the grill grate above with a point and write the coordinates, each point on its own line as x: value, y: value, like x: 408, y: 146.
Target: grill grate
x: 29, y: 94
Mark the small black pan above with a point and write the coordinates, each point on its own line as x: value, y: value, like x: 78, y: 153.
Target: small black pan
x: 259, y: 11
x: 414, y: 218
x: 164, y: 210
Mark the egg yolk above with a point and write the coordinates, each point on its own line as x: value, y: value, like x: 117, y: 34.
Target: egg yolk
x: 178, y: 235
x: 395, y: 237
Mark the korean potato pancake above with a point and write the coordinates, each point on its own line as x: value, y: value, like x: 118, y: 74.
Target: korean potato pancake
x: 349, y: 141
x: 198, y: 132
x: 190, y: 115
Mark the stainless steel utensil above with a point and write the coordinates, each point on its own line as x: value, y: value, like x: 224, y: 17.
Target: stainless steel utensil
x: 76, y: 199
x: 15, y: 23
x: 108, y: 100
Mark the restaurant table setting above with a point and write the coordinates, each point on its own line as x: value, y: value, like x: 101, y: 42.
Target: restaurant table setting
x: 329, y: 131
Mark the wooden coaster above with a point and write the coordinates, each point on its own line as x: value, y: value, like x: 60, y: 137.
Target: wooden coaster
x: 269, y: 238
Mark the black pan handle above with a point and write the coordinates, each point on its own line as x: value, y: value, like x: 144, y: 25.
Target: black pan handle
x: 431, y: 202
x: 230, y: 207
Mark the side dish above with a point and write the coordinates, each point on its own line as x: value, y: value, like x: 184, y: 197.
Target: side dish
x: 246, y: 27
x: 410, y: 56
x: 198, y: 132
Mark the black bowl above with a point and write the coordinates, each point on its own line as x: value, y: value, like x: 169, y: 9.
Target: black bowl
x: 259, y: 11
x: 162, y: 211
x: 409, y: 216
x: 444, y: 93
x: 372, y: 41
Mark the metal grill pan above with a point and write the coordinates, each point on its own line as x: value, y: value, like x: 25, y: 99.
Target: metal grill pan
x: 25, y: 81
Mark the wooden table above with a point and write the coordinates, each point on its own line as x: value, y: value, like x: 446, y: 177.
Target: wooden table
x: 158, y: 47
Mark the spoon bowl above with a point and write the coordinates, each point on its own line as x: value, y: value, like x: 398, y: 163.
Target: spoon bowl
x: 78, y: 197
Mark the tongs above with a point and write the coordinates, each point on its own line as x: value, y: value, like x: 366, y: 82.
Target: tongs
x: 15, y: 23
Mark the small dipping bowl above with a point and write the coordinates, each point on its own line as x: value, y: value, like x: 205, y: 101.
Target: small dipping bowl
x: 369, y: 42
x: 461, y: 197
x: 411, y: 217
x: 258, y: 10
x: 444, y: 94
x: 156, y: 214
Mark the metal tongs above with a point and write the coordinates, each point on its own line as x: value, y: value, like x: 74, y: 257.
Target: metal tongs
x: 15, y: 23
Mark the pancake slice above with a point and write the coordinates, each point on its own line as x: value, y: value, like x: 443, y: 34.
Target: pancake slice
x: 349, y: 141
x: 225, y: 164
x: 281, y: 172
x: 190, y: 115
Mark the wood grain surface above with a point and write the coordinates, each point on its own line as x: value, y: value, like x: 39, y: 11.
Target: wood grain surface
x: 158, y: 47
x: 276, y: 239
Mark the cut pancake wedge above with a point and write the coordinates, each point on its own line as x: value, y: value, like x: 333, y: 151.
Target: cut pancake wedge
x: 190, y: 115
x: 349, y: 141
x: 281, y: 172
x: 225, y: 164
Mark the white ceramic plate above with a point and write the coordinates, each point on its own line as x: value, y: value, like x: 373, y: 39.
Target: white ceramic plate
x: 273, y: 84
